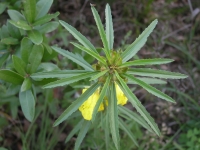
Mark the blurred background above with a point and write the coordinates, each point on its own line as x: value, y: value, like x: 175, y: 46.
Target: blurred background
x: 176, y: 36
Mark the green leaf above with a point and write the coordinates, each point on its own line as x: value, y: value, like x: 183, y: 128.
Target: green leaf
x: 2, y: 7
x: 13, y: 31
x: 124, y: 127
x: 75, y: 129
x: 57, y: 74
x: 131, y: 115
x: 35, y: 36
x: 156, y: 73
x: 101, y: 31
x: 113, y: 115
x: 47, y: 47
x: 84, y: 129
x: 75, y: 58
x: 11, y: 76
x: 19, y: 65
x: 137, y: 104
x: 148, y: 81
x: 27, y: 103
x: 107, y: 129
x: 10, y: 41
x: 82, y: 39
x: 43, y: 7
x: 69, y: 80
x: 21, y: 24
x: 155, y: 61
x: 3, y: 58
x: 35, y: 57
x: 99, y: 75
x: 26, y: 85
x: 30, y: 10
x: 138, y: 43
x: 26, y: 48
x: 15, y: 15
x: 76, y: 104
x: 45, y: 19
x: 109, y: 27
x: 92, y: 53
x: 101, y: 98
x: 149, y: 88
x: 48, y: 27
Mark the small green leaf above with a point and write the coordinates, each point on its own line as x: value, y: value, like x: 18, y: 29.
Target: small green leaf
x: 2, y: 7
x: 30, y: 10
x: 43, y: 7
x: 76, y: 104
x: 101, y: 31
x: 99, y: 75
x: 109, y: 27
x: 84, y: 129
x: 69, y: 80
x: 47, y: 47
x: 138, y: 43
x: 113, y: 115
x: 75, y: 129
x: 124, y: 127
x: 101, y: 98
x: 26, y: 85
x: 21, y: 24
x: 11, y: 76
x: 26, y: 48
x: 137, y: 104
x: 27, y: 102
x: 3, y: 59
x: 57, y: 74
x: 15, y: 15
x: 150, y: 89
x: 92, y: 53
x: 156, y: 73
x: 19, y: 65
x: 82, y: 39
x: 13, y: 31
x: 35, y: 36
x: 48, y: 27
x: 148, y: 81
x: 4, y: 32
x: 75, y: 58
x: 45, y: 19
x: 35, y: 57
x: 155, y: 61
x: 10, y: 41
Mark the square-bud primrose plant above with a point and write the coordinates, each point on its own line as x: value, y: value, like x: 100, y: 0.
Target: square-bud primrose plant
x: 110, y: 75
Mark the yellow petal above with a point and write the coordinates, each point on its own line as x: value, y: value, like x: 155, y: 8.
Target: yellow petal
x: 87, y: 107
x: 121, y: 98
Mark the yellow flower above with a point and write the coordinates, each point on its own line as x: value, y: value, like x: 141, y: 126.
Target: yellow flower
x: 87, y: 107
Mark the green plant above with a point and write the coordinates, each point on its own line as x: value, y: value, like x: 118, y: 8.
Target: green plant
x: 109, y: 76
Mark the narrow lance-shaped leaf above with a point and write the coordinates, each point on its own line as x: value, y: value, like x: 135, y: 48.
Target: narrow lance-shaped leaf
x: 107, y: 129
x: 26, y: 48
x: 30, y: 10
x: 75, y: 129
x: 35, y: 36
x: 101, y: 31
x: 92, y: 53
x: 113, y: 115
x: 27, y: 103
x: 99, y: 75
x: 84, y: 129
x: 43, y: 7
x: 11, y: 76
x: 109, y: 27
x: 3, y: 59
x: 21, y: 24
x: 124, y: 127
x: 15, y: 15
x: 101, y: 98
x: 82, y: 39
x: 69, y: 80
x: 76, y: 104
x: 138, y: 43
x: 156, y: 73
x: 148, y: 81
x: 26, y: 85
x: 75, y: 58
x: 19, y: 65
x: 155, y: 61
x: 150, y: 89
x: 137, y: 104
x: 57, y: 74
